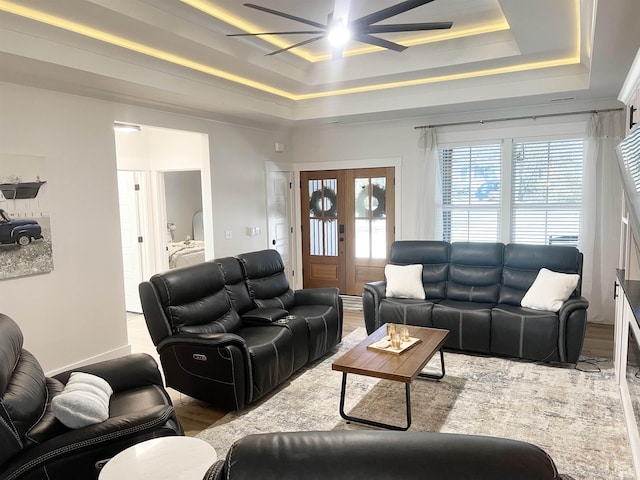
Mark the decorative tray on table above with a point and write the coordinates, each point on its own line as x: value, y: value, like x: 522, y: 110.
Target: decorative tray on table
x: 384, y: 345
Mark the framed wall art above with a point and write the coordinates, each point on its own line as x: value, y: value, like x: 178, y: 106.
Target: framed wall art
x: 25, y: 228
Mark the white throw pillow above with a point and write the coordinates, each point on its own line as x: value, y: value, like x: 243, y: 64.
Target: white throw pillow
x: 404, y: 281
x: 83, y: 401
x: 550, y: 290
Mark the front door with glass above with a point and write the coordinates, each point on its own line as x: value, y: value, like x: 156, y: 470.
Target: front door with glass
x: 347, y: 227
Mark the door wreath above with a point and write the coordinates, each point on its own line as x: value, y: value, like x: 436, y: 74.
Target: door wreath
x: 317, y: 205
x: 377, y: 195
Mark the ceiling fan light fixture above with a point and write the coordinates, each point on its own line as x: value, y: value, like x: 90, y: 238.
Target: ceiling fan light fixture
x: 338, y: 35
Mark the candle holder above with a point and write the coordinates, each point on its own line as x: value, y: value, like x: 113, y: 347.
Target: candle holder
x: 396, y: 341
x: 404, y: 334
x: 391, y: 329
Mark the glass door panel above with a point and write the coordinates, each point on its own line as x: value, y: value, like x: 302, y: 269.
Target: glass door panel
x: 370, y: 208
x: 323, y: 255
x: 323, y: 217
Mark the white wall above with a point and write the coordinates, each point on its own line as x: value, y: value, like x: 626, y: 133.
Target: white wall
x: 239, y: 187
x: 77, y: 312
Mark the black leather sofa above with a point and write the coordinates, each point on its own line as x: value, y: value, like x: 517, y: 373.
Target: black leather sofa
x: 35, y: 445
x: 475, y: 289
x: 345, y: 455
x: 230, y: 330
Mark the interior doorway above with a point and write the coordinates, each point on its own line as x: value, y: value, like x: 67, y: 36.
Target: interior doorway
x: 164, y: 184
x: 348, y: 225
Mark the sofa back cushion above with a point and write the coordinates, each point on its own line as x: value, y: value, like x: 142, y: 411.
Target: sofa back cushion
x: 475, y: 272
x: 434, y: 257
x: 266, y: 281
x: 523, y: 262
x: 23, y: 390
x: 195, y: 300
x: 235, y: 284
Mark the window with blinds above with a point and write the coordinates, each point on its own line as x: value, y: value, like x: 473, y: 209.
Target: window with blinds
x: 544, y: 201
x: 471, y: 193
x: 546, y: 192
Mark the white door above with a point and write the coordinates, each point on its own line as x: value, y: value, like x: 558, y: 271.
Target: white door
x: 279, y: 186
x: 130, y: 231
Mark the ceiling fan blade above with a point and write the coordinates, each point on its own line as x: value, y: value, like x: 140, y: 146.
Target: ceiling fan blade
x: 408, y: 27
x: 299, y: 44
x: 379, y: 42
x: 301, y: 32
x: 286, y: 15
x: 389, y: 12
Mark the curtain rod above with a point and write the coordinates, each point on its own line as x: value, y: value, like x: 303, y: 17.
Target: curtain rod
x: 525, y: 117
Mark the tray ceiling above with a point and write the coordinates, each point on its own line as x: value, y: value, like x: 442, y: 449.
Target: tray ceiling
x: 176, y: 54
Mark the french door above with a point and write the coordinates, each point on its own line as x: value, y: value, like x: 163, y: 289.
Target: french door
x: 347, y: 227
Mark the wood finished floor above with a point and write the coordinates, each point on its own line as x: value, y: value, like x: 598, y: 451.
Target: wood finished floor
x: 195, y: 415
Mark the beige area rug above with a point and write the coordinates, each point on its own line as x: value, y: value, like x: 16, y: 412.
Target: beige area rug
x: 575, y: 416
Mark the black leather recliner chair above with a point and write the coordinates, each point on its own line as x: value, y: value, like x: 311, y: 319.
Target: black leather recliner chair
x: 345, y: 455
x: 34, y: 445
x: 221, y: 331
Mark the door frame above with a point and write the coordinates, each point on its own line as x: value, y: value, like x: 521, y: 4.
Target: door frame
x: 344, y: 165
x: 293, y: 273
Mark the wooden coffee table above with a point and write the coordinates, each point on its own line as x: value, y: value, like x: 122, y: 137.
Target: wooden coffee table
x: 403, y: 368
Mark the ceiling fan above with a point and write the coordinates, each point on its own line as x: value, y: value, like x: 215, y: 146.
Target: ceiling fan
x: 362, y: 29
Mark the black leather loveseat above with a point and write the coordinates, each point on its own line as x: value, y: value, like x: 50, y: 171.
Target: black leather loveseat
x: 35, y: 445
x: 475, y: 291
x: 345, y: 455
x: 230, y: 330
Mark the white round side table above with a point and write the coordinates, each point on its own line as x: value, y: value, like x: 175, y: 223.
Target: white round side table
x: 170, y: 458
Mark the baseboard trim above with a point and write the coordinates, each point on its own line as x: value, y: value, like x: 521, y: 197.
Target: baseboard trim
x: 111, y: 354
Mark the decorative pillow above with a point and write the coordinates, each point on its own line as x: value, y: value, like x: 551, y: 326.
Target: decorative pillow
x: 550, y: 290
x: 404, y: 281
x: 83, y: 401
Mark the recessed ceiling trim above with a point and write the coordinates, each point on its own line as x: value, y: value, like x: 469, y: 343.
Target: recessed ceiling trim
x: 136, y: 47
x: 112, y: 39
x: 443, y: 78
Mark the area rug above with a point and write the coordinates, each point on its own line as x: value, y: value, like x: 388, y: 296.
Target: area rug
x: 574, y: 415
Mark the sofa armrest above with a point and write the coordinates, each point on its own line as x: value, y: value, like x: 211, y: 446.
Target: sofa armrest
x: 130, y: 371
x: 573, y: 326
x: 372, y: 295
x: 264, y: 315
x: 318, y: 296
x: 216, y: 340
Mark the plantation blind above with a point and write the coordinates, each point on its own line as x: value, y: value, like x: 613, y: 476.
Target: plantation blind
x: 546, y: 192
x: 471, y: 193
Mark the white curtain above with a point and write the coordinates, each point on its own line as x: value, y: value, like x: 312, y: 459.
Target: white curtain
x: 429, y: 208
x: 601, y: 213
